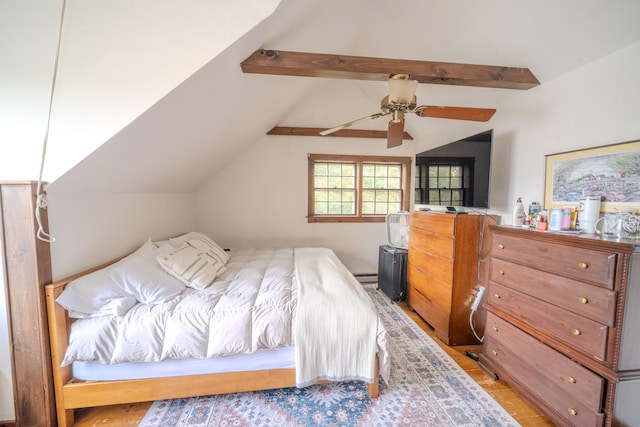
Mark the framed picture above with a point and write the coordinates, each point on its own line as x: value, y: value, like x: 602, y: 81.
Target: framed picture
x: 612, y: 172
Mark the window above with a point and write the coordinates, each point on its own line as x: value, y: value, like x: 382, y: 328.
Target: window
x: 357, y: 188
x: 444, y: 182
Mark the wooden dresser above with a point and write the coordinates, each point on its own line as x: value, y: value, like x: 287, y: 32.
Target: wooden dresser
x: 563, y: 324
x: 442, y: 271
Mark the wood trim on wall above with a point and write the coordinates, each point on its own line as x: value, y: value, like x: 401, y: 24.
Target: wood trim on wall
x: 27, y: 262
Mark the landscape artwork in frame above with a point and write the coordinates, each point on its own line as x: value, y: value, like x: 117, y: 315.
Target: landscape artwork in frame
x: 611, y: 172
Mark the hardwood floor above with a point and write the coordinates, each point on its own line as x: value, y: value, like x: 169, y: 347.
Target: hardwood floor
x: 527, y: 416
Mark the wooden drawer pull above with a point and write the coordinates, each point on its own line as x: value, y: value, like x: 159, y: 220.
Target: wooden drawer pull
x: 583, y: 265
x: 495, y: 353
x: 501, y: 246
x: 501, y: 273
x: 575, y: 331
x: 497, y: 295
x: 583, y: 300
x: 495, y: 328
x: 571, y: 380
x: 573, y: 411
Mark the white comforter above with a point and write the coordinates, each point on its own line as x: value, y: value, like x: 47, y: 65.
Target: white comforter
x: 251, y: 306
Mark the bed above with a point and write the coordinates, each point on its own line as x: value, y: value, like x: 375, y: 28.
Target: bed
x: 183, y: 318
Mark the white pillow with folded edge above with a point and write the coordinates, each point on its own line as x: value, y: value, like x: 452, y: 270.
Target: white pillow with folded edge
x: 113, y: 290
x: 95, y: 294
x: 197, y: 262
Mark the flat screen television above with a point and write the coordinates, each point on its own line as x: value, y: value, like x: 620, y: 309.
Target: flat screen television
x: 455, y: 174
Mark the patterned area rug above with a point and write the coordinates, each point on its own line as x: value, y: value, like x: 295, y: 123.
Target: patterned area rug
x: 426, y: 388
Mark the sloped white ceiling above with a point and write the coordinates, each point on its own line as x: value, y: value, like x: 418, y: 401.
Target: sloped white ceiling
x: 199, y: 127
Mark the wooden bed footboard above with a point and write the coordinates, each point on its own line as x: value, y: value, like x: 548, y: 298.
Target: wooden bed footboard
x: 72, y: 394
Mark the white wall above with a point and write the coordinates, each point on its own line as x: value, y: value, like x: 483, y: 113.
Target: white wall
x: 593, y: 106
x: 91, y: 229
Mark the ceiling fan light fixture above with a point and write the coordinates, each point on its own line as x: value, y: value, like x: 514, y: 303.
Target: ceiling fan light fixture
x: 402, y: 89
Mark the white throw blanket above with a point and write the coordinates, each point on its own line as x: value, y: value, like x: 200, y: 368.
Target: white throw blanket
x: 337, y: 327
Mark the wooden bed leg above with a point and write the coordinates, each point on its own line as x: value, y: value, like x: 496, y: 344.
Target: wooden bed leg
x: 374, y: 391
x: 65, y: 418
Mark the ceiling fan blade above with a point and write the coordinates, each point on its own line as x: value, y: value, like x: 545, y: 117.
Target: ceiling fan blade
x: 346, y: 125
x: 457, y: 113
x: 394, y: 133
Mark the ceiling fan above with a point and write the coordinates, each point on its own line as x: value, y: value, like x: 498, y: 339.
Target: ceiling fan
x: 402, y: 100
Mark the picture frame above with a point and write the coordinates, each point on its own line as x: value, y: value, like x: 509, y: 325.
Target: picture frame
x: 611, y: 171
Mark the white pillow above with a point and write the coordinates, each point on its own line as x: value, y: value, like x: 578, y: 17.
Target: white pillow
x: 142, y: 277
x: 196, y: 262
x: 177, y: 242
x: 95, y: 294
x: 115, y: 289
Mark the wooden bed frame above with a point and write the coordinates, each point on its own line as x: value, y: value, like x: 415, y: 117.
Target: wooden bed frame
x: 73, y: 394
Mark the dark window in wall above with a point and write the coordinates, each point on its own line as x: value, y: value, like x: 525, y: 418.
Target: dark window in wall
x: 473, y: 154
x: 445, y: 181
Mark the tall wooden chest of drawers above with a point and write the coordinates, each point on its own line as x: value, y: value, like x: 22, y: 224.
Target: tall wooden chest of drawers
x: 563, y: 324
x: 442, y: 271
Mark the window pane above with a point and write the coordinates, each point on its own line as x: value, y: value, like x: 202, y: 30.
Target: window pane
x: 382, y: 196
x: 320, y: 181
x: 320, y: 169
x: 335, y: 169
x: 335, y: 208
x: 368, y: 208
x: 381, y: 209
x: 381, y: 171
x: 395, y: 196
x: 349, y: 196
x: 321, y: 195
x: 348, y: 208
x: 334, y: 182
x: 443, y: 182
x: 394, y: 171
x: 368, y: 182
x: 335, y: 195
x: 456, y: 182
x: 368, y: 196
x: 368, y: 169
x: 348, y: 169
x: 348, y: 182
x: 321, y: 208
x: 381, y: 182
x: 393, y: 183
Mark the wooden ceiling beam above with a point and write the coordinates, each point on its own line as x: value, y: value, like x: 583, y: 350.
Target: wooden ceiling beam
x: 345, y: 133
x: 304, y: 64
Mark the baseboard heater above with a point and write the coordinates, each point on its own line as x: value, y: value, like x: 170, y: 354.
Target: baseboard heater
x: 367, y: 278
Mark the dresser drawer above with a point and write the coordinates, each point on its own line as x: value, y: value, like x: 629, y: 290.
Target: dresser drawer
x: 575, y: 392
x: 586, y: 300
x: 434, y: 282
x: 588, y: 265
x: 432, y: 313
x: 434, y: 222
x: 429, y: 243
x: 581, y: 333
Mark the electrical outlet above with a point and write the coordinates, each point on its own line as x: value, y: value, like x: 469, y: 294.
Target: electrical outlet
x: 476, y: 302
